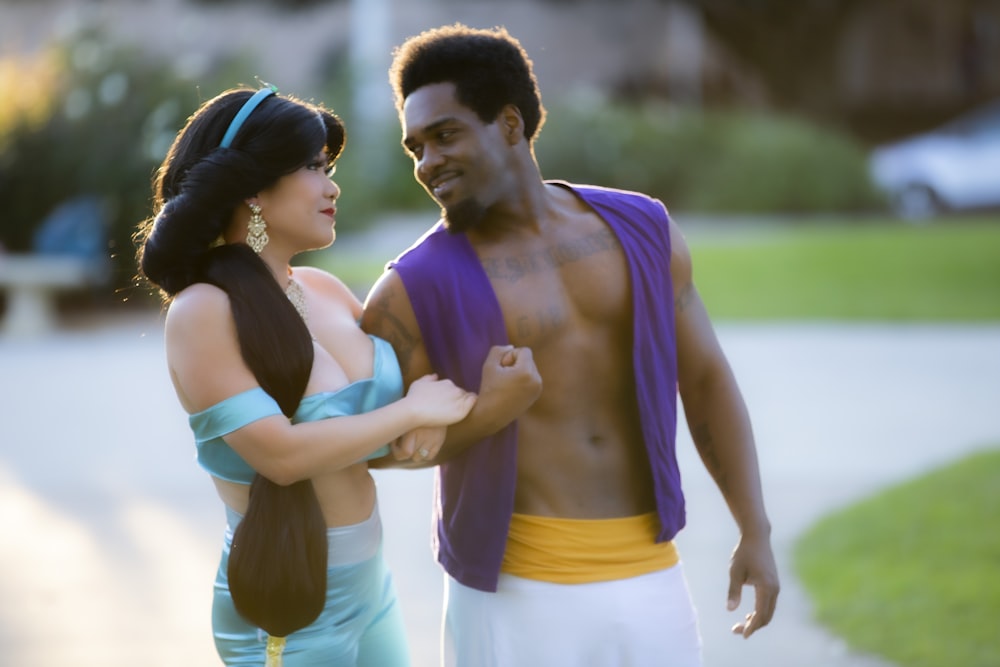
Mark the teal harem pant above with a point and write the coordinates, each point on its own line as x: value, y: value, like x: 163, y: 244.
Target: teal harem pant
x: 360, y: 626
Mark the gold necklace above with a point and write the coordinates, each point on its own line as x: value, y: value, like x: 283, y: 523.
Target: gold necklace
x: 298, y: 298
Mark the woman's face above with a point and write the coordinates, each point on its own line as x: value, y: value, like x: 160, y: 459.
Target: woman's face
x: 300, y: 208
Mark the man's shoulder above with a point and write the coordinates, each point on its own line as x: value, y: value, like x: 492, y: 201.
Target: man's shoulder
x: 615, y: 198
x: 434, y: 240
x: 436, y: 258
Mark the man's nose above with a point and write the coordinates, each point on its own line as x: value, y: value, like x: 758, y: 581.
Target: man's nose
x: 430, y: 160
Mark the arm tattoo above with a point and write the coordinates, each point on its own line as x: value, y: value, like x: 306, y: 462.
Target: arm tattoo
x: 385, y: 324
x: 684, y: 297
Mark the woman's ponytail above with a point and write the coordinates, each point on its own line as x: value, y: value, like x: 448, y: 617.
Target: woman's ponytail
x: 278, y: 559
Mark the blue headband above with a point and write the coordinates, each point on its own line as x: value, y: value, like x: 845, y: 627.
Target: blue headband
x: 243, y: 113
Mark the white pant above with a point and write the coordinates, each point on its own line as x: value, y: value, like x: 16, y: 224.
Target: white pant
x: 642, y: 621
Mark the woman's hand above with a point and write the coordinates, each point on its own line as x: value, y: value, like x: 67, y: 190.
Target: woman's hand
x: 420, y: 445
x: 439, y: 402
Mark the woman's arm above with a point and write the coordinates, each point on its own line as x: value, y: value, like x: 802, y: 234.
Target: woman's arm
x: 509, y: 378
x: 286, y: 453
x: 206, y: 367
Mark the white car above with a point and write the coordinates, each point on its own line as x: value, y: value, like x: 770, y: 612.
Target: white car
x: 954, y: 167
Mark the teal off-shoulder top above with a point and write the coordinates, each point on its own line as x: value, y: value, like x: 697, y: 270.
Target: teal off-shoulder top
x: 210, y: 425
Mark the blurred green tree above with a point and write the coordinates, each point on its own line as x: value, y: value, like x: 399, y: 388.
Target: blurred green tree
x: 92, y: 119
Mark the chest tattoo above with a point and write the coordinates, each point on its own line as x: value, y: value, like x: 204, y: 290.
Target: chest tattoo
x: 544, y: 321
x: 513, y: 267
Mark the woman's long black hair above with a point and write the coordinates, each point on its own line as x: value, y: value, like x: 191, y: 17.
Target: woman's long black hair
x: 277, y: 563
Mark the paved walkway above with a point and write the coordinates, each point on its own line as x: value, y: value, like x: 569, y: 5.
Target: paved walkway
x: 110, y: 532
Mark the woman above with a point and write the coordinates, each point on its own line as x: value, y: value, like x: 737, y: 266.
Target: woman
x: 262, y: 357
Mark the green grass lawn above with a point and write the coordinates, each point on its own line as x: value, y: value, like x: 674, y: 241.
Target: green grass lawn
x: 913, y: 573
x: 860, y: 270
x: 949, y: 270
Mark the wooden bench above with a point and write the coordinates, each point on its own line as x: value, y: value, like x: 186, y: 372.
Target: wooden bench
x: 31, y: 282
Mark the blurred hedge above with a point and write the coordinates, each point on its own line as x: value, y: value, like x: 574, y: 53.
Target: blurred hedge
x: 97, y: 120
x: 713, y: 161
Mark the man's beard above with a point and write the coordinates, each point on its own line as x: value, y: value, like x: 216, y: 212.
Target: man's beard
x: 463, y: 216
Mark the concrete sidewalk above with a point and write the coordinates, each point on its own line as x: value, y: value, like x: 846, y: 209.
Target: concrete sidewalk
x: 111, y: 532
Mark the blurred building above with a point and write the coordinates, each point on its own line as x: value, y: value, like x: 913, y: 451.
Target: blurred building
x: 906, y: 65
x: 879, y: 67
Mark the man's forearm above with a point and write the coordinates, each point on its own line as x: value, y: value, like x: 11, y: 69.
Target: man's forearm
x: 487, y: 417
x: 721, y: 430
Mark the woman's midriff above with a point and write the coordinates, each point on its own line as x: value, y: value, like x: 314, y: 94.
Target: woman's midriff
x: 346, y: 497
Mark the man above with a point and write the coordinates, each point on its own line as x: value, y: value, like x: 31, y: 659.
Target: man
x: 556, y: 529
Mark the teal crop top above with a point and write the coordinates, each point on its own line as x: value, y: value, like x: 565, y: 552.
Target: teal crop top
x: 218, y: 458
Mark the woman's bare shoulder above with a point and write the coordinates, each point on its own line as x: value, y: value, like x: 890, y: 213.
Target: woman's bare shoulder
x: 327, y: 285
x: 203, y: 351
x: 197, y: 299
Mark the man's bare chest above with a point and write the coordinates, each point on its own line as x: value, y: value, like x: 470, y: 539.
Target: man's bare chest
x: 551, y: 289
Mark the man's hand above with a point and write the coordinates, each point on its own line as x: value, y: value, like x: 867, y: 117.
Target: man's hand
x: 510, y: 384
x: 753, y: 565
x: 510, y: 379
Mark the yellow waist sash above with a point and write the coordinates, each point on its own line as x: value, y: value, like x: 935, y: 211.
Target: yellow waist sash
x: 577, y: 551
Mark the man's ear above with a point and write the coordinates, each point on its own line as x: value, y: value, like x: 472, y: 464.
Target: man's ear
x: 511, y: 123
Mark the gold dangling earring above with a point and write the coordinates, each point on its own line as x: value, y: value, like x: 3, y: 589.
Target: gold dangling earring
x: 256, y: 230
